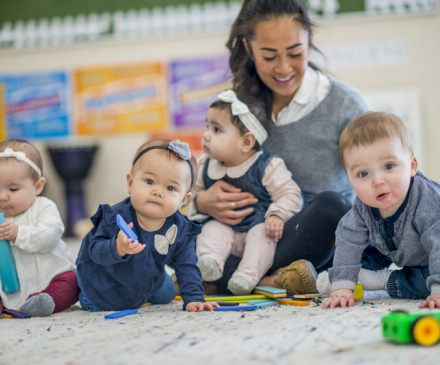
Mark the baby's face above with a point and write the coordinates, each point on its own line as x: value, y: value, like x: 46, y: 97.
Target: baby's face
x: 158, y: 186
x: 17, y: 188
x: 221, y: 140
x: 381, y: 174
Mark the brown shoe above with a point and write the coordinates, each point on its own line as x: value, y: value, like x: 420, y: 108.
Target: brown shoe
x: 210, y: 288
x: 297, y: 278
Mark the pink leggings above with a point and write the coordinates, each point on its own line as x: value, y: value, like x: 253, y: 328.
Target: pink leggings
x: 63, y: 289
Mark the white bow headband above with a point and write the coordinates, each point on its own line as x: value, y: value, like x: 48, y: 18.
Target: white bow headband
x: 241, y: 110
x: 20, y: 156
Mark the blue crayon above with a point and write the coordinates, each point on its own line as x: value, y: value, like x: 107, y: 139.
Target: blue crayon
x: 115, y: 315
x: 125, y: 228
x: 239, y: 308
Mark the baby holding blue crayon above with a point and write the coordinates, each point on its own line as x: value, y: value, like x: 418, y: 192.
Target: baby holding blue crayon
x: 33, y: 226
x: 117, y: 273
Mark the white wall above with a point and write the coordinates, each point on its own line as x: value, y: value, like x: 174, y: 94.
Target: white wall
x: 106, y: 183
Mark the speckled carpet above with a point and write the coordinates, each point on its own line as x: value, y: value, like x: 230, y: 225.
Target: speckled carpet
x: 167, y: 335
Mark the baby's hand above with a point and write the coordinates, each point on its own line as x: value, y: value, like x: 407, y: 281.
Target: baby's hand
x: 274, y: 227
x: 342, y: 297
x: 125, y: 246
x: 201, y: 306
x: 8, y: 231
x: 433, y: 301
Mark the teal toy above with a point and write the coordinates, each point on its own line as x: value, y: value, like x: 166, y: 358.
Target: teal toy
x: 8, y: 271
x: 421, y: 328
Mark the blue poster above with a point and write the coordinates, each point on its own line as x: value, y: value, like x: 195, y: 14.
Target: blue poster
x: 37, y: 105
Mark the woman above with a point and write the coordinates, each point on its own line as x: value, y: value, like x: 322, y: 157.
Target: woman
x: 270, y: 45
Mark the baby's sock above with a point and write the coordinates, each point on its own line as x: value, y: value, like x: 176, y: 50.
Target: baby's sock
x: 323, y: 283
x: 374, y: 280
x: 238, y: 285
x: 41, y: 305
x: 209, y: 269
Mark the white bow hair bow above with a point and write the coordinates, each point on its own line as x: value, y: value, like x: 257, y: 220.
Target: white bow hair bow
x: 237, y: 107
x: 20, y: 156
x: 162, y: 243
x: 240, y: 109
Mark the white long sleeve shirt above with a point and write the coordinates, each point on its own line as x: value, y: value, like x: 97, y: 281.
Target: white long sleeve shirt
x: 39, y: 252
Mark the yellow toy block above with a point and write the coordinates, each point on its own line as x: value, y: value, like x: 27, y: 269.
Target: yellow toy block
x: 358, y: 292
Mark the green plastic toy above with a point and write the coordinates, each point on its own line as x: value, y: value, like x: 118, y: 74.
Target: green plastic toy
x: 421, y: 328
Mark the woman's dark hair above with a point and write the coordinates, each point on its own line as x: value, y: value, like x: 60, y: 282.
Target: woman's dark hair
x: 256, y: 107
x: 245, y: 77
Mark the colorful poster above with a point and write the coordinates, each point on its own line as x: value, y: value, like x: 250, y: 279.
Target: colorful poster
x: 194, y: 86
x: 2, y: 114
x: 118, y: 99
x: 36, y: 105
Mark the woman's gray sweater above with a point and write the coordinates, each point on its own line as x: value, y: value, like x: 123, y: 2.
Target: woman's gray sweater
x: 310, y: 146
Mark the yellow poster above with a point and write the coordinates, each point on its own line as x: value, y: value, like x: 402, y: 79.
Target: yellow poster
x: 119, y: 99
x: 2, y: 114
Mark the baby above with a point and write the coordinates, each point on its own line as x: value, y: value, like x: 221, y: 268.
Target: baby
x: 33, y: 226
x: 395, y: 217
x: 115, y: 273
x: 236, y: 129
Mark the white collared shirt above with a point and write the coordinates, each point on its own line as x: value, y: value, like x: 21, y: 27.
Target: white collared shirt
x: 314, y: 87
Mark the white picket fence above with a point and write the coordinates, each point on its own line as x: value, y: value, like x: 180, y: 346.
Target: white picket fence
x: 144, y: 23
x: 168, y: 21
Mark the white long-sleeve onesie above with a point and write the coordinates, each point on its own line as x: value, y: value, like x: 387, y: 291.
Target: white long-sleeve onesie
x: 39, y: 252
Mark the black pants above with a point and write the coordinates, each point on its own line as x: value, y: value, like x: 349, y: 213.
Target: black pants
x: 309, y: 235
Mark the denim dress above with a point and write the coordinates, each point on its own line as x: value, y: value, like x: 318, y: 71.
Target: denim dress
x: 250, y: 182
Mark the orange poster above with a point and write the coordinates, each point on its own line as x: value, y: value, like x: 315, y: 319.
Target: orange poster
x: 119, y: 99
x: 193, y: 138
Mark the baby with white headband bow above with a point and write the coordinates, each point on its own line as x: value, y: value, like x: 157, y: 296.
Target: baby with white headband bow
x: 236, y: 129
x: 115, y: 273
x: 33, y: 226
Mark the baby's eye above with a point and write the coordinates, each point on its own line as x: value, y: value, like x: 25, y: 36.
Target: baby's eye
x: 13, y: 190
x: 149, y: 182
x: 389, y: 166
x: 216, y: 130
x: 269, y: 58
x: 171, y: 188
x: 362, y: 174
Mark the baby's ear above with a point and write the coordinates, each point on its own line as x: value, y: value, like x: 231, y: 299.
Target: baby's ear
x: 129, y: 182
x: 414, y: 166
x: 186, y: 198
x: 39, y: 185
x: 248, y: 142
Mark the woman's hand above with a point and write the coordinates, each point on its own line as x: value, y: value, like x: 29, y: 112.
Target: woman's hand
x: 221, y: 200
